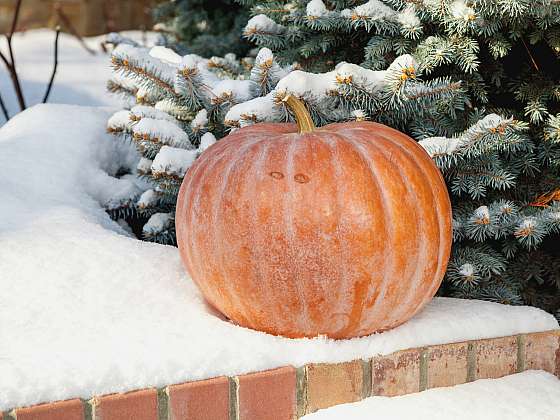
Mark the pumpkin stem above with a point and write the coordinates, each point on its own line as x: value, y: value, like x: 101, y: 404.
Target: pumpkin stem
x: 303, y: 118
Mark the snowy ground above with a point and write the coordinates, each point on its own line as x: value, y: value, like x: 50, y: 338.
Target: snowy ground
x: 81, y: 77
x: 88, y: 310
x: 531, y: 395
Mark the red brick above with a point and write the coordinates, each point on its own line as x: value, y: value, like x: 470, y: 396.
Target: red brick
x: 542, y: 351
x: 268, y: 395
x: 447, y: 365
x: 496, y: 357
x: 200, y: 400
x: 137, y: 405
x: 62, y: 410
x: 396, y: 374
x: 330, y: 384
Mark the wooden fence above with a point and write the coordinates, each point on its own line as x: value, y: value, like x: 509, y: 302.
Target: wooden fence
x: 87, y: 17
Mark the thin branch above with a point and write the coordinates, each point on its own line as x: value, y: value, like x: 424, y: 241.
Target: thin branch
x: 11, y: 64
x: 530, y: 55
x: 15, y: 77
x: 5, y: 60
x: 4, y: 109
x: 49, y: 87
x: 15, y: 19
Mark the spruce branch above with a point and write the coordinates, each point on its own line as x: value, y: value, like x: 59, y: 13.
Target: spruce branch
x: 144, y: 75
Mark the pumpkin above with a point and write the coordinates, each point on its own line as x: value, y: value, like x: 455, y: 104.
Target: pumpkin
x: 342, y: 230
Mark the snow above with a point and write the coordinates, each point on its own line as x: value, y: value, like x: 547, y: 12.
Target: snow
x: 408, y: 17
x: 173, y: 161
x: 262, y: 108
x: 438, y: 146
x: 530, y: 395
x: 264, y: 56
x: 316, y: 8
x: 90, y: 310
x: 63, y: 258
x: 263, y: 24
x: 359, y: 114
x: 144, y: 111
x: 374, y: 9
x: 370, y: 79
x: 301, y: 83
x: 238, y: 90
x: 167, y: 55
x: 162, y: 131
x: 466, y: 270
x: 200, y: 120
x: 158, y: 222
x: 266, y: 67
x: 147, y: 199
x: 460, y: 10
x: 206, y: 141
x: 120, y: 121
x: 144, y: 165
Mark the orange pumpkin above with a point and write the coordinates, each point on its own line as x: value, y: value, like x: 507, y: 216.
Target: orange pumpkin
x: 342, y: 230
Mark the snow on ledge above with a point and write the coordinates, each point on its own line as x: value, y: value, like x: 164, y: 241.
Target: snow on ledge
x: 87, y: 310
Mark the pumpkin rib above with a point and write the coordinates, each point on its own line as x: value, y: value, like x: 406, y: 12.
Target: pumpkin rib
x: 411, y: 198
x: 256, y: 231
x: 287, y: 212
x: 379, y: 291
x: 345, y: 284
x: 421, y: 235
x: 185, y: 205
x: 216, y: 224
x: 415, y: 254
x: 335, y: 297
x: 440, y: 198
x: 273, y: 241
x: 340, y: 144
x: 427, y: 167
x: 209, y: 172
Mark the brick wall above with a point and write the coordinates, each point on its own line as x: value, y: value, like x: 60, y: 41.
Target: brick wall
x: 288, y: 393
x: 89, y: 17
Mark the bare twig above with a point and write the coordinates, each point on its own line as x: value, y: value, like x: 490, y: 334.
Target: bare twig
x: 15, y: 19
x: 530, y: 55
x: 68, y: 25
x: 4, y: 109
x: 11, y: 63
x: 49, y: 86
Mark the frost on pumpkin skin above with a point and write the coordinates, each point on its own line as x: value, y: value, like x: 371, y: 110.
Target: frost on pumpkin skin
x: 320, y: 259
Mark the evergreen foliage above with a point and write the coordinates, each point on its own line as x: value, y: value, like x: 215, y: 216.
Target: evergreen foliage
x: 475, y: 82
x: 204, y: 27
